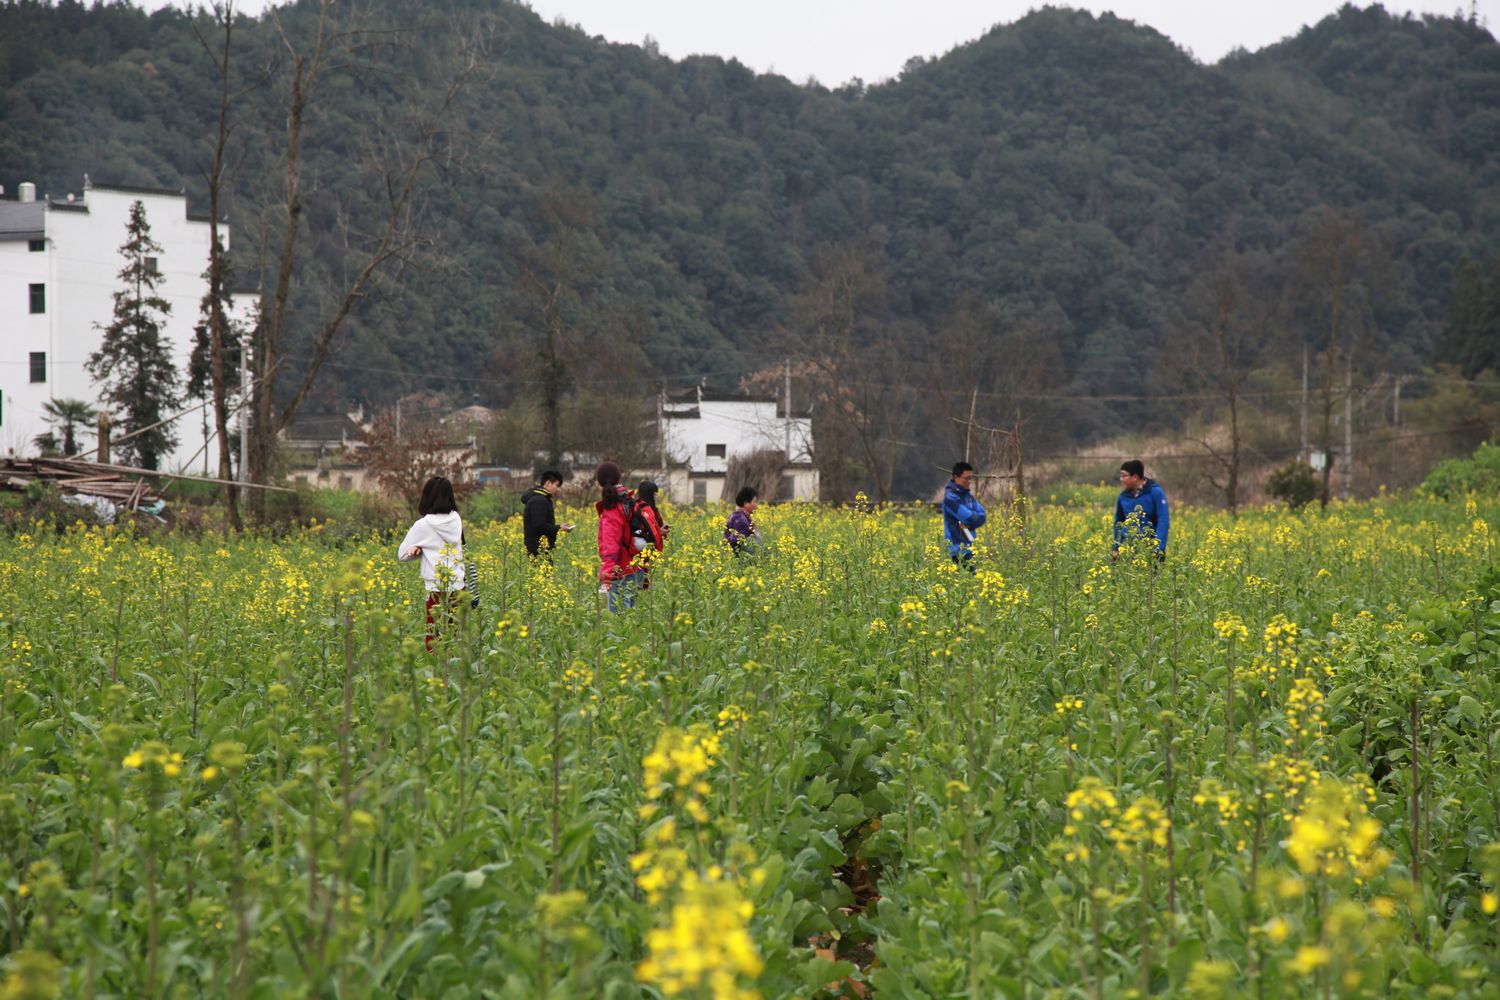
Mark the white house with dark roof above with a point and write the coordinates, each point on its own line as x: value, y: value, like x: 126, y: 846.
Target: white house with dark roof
x: 59, y: 270
x: 700, y: 432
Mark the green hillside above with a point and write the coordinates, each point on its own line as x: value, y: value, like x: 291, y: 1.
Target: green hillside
x: 1065, y: 176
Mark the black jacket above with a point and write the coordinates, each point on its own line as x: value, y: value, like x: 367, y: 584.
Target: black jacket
x: 538, y: 520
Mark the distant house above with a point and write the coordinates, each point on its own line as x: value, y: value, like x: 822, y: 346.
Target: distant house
x: 59, y: 270
x: 322, y: 449
x: 701, y: 432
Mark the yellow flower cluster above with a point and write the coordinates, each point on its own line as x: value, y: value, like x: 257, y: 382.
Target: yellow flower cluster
x: 154, y: 755
x: 1304, y: 710
x: 1230, y: 626
x: 706, y: 943
x: 1142, y: 825
x: 680, y: 758
x: 1092, y: 802
x: 1335, y: 835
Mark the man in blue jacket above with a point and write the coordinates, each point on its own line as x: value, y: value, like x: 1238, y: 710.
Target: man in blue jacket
x: 963, y: 515
x: 1141, y: 512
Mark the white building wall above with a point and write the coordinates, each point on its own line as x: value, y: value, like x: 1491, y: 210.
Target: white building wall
x: 741, y: 426
x: 81, y: 267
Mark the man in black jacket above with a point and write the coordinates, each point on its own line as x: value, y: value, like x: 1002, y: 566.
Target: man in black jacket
x: 537, y: 517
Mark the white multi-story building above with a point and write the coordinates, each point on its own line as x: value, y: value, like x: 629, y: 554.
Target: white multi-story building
x: 700, y: 432
x: 59, y: 270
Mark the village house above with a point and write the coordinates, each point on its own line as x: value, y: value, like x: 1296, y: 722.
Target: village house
x: 59, y: 270
x: 701, y: 433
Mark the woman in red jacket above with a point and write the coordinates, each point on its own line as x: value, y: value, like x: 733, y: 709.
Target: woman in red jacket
x: 620, y: 576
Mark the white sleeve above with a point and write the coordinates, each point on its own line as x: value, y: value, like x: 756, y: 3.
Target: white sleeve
x: 412, y: 539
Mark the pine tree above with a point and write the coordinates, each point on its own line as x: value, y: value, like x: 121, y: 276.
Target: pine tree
x: 134, y: 363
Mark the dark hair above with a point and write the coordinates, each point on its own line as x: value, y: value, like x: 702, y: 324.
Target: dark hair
x: 437, y: 497
x: 959, y: 468
x: 647, y: 491
x: 550, y: 476
x: 1134, y: 467
x: 745, y: 495
x: 607, y: 475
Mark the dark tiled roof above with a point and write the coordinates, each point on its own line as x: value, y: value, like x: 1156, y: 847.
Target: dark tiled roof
x: 22, y: 220
x: 130, y: 189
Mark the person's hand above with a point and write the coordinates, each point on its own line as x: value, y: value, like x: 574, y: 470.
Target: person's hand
x: 474, y: 603
x: 413, y: 552
x: 565, y: 527
x: 1114, y: 554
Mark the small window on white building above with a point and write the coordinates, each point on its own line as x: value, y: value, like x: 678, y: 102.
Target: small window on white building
x: 38, y: 298
x: 716, y: 450
x: 36, y: 246
x: 700, y: 491
x: 788, y: 489
x: 38, y: 366
x: 152, y: 267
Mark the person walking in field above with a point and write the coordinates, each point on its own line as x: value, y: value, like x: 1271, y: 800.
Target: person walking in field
x: 538, y: 516
x: 621, y: 575
x: 1141, y: 511
x: 740, y: 533
x: 648, y: 531
x: 438, y: 540
x: 647, y: 527
x: 963, y: 515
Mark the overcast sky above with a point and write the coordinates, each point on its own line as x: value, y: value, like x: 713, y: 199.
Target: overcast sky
x: 835, y: 40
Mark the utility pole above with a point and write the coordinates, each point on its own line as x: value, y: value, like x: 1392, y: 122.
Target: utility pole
x: 244, y: 475
x: 1303, y: 453
x: 661, y: 438
x: 787, y: 422
x: 969, y: 427
x: 1346, y: 477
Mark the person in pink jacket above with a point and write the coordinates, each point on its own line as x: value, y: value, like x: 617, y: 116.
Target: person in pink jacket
x: 620, y: 575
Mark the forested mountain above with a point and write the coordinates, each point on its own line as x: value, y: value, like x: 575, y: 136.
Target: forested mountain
x: 1036, y: 205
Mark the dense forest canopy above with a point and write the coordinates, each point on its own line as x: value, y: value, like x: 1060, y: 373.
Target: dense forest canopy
x: 1038, y: 205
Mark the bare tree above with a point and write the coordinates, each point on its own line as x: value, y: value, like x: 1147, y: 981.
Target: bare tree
x: 392, y: 240
x: 220, y: 49
x: 843, y: 334
x: 1213, y: 351
x: 1339, y: 268
x: 556, y: 277
x: 403, y: 460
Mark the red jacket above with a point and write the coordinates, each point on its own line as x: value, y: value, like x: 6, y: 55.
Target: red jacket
x: 616, y: 551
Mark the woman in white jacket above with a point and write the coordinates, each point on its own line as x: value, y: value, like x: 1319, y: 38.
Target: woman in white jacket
x: 438, y: 540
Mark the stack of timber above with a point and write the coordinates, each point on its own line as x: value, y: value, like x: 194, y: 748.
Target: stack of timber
x: 74, y: 477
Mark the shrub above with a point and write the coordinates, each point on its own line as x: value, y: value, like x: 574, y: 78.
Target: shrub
x: 1457, y: 477
x: 1295, y: 484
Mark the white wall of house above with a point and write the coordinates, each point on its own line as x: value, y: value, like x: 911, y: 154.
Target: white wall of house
x: 701, y: 434
x: 78, y: 263
x: 705, y: 435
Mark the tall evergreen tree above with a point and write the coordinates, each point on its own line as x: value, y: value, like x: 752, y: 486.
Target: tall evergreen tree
x: 134, y: 364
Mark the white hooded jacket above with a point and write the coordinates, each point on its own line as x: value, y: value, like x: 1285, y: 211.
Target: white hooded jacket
x: 440, y: 537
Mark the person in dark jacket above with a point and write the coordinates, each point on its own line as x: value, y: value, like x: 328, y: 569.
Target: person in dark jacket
x: 538, y: 518
x: 1141, y: 512
x: 963, y: 515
